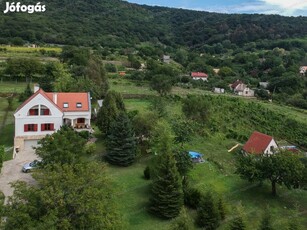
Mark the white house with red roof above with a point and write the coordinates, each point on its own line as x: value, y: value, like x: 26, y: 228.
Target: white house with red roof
x: 44, y: 113
x: 260, y: 143
x: 199, y: 76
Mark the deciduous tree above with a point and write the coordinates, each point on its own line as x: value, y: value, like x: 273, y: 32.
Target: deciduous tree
x: 79, y: 196
x: 65, y: 146
x: 162, y: 84
x: 281, y: 168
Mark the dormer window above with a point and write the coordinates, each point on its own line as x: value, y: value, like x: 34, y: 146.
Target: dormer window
x: 65, y: 105
x: 79, y: 105
x: 44, y: 111
x: 33, y: 111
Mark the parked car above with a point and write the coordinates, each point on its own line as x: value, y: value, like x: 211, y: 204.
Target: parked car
x: 28, y: 167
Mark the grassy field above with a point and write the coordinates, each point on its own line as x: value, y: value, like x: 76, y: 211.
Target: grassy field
x: 133, y: 190
x: 23, y: 49
x: 13, y: 86
x: 41, y: 53
x: 217, y: 174
x: 7, y: 126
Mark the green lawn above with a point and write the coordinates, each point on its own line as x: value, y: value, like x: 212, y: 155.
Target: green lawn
x: 13, y: 86
x: 133, y: 190
x: 7, y: 126
x: 23, y: 49
x: 217, y: 174
x: 125, y: 86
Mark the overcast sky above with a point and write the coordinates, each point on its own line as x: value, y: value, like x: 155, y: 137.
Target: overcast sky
x: 282, y: 7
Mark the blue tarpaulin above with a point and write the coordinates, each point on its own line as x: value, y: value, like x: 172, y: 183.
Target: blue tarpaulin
x: 194, y: 155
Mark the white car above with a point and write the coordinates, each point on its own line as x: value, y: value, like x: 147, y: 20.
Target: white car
x: 28, y: 167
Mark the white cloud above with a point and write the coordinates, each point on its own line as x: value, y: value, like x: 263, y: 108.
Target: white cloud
x: 288, y: 4
x: 281, y: 7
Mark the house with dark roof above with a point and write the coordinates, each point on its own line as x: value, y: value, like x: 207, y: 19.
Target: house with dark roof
x: 45, y: 112
x: 241, y: 89
x: 199, y: 76
x: 260, y: 143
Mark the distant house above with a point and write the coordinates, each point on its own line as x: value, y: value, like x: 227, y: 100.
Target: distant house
x: 122, y: 73
x: 43, y: 113
x: 216, y: 71
x: 218, y: 90
x: 166, y: 59
x: 303, y: 70
x: 260, y: 143
x: 241, y: 89
x: 199, y: 76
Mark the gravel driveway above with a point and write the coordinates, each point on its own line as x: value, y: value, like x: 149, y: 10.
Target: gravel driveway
x: 11, y: 171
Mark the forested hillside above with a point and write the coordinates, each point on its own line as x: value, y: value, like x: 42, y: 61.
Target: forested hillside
x: 120, y: 24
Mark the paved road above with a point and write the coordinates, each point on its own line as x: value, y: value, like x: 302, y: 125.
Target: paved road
x: 11, y: 171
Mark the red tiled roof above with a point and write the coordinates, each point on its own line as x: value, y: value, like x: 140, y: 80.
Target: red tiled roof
x: 257, y: 143
x: 72, y: 99
x: 199, y: 74
x: 40, y: 91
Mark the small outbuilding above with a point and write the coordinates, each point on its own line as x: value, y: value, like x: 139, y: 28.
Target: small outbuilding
x: 260, y: 143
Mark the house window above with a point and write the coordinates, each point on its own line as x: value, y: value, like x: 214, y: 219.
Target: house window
x: 65, y: 105
x: 45, y: 111
x: 79, y: 105
x: 272, y: 149
x: 30, y: 127
x: 47, y: 127
x: 33, y: 112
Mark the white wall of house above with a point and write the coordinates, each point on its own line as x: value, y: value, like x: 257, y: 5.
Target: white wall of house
x: 247, y: 92
x: 271, y: 146
x: 200, y: 78
x: 73, y: 116
x: 219, y: 90
x: 22, y: 117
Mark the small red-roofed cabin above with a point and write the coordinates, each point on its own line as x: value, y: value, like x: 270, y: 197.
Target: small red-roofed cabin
x: 199, y: 76
x: 260, y: 143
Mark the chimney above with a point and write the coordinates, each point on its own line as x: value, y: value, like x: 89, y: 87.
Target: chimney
x: 36, y: 88
x: 55, y: 98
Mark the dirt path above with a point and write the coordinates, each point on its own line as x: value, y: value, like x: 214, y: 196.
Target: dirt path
x: 11, y: 171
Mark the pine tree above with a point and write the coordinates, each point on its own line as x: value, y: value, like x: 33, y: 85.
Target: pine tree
x: 207, y: 214
x: 121, y: 142
x: 166, y: 198
x: 112, y: 105
x: 182, y: 222
x: 237, y: 223
x: 221, y: 207
x: 266, y: 223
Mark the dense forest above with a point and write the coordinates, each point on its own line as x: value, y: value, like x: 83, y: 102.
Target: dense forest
x: 120, y: 24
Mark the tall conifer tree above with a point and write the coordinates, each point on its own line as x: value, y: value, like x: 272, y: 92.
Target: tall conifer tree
x: 166, y: 198
x: 112, y: 105
x: 208, y: 215
x: 121, y: 142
